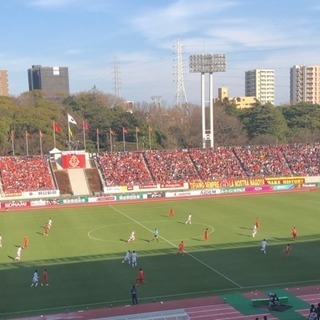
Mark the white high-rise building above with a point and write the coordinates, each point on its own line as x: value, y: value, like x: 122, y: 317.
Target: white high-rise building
x: 305, y: 84
x: 260, y: 83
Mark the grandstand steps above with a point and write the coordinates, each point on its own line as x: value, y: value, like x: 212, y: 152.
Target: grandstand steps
x: 78, y: 182
x: 93, y: 179
x: 63, y: 182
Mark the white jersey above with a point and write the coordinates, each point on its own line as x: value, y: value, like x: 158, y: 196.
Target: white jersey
x: 35, y: 277
x: 19, y: 252
x: 49, y: 223
x: 127, y: 257
x: 134, y: 257
x: 132, y: 236
x: 0, y: 241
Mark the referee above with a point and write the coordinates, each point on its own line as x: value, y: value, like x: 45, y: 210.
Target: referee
x: 134, y: 295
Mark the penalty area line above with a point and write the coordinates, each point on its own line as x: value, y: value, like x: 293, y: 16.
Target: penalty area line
x: 172, y: 244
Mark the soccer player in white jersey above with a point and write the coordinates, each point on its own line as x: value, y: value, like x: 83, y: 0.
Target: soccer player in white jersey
x: 264, y: 246
x: 134, y: 258
x: 127, y: 257
x: 132, y: 237
x: 35, y: 279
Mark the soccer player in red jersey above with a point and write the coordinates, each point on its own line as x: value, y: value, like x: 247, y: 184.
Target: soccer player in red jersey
x: 181, y: 248
x: 294, y: 233
x: 140, y: 278
x: 206, y: 234
x: 46, y: 230
x: 257, y: 223
x: 45, y: 278
x: 25, y: 242
x: 171, y: 212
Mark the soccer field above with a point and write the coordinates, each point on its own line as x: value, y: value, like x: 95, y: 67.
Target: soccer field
x: 86, y: 245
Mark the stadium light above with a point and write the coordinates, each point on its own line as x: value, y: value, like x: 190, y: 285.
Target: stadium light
x: 207, y: 63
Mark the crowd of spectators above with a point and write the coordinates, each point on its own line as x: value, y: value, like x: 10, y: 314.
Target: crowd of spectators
x: 262, y: 161
x: 20, y: 174
x: 303, y: 159
x: 216, y: 164
x: 171, y: 166
x: 124, y: 168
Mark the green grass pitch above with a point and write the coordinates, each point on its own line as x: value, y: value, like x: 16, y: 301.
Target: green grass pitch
x: 86, y: 245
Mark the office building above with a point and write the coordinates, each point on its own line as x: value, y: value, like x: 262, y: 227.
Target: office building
x: 305, y: 84
x: 4, y: 87
x: 52, y: 81
x: 260, y: 83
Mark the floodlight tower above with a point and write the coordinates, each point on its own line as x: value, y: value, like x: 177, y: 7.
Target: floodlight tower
x: 207, y: 63
x: 116, y: 79
x: 181, y: 96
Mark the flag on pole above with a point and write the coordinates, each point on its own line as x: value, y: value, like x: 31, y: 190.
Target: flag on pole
x: 150, y: 129
x: 124, y: 130
x: 112, y: 132
x: 27, y: 133
x: 56, y: 127
x: 137, y: 129
x: 40, y: 134
x: 70, y: 119
x: 85, y: 126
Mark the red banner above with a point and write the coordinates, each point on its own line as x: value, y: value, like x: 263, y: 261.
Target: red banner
x: 73, y: 161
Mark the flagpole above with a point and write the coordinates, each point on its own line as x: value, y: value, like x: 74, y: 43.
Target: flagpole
x: 40, y: 137
x: 27, y: 144
x: 69, y: 138
x: 54, y: 134
x: 98, y: 147
x: 137, y: 139
x: 110, y: 140
x: 149, y: 138
x: 84, y: 135
x: 124, y: 140
x: 12, y: 141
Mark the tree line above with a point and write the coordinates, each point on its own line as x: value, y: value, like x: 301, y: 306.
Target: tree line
x: 147, y: 125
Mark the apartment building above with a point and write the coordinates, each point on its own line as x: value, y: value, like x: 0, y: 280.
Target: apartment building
x: 305, y: 84
x: 260, y: 83
x: 4, y: 84
x: 52, y: 81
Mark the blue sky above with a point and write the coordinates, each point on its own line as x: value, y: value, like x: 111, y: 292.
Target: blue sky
x: 88, y: 36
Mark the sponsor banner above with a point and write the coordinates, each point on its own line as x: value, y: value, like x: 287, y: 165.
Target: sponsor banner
x: 42, y: 193
x: 206, y: 192
x: 180, y: 194
x: 148, y: 186
x: 226, y: 183
x: 11, y: 194
x: 115, y: 189
x: 152, y: 195
x: 284, y: 187
x: 309, y: 185
x: 259, y: 189
x: 102, y: 199
x: 171, y: 185
x: 232, y: 190
x: 285, y: 180
x: 74, y: 200
x: 132, y: 196
x: 15, y: 204
x: 47, y: 202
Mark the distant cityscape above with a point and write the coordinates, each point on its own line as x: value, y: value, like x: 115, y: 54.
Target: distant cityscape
x: 259, y: 85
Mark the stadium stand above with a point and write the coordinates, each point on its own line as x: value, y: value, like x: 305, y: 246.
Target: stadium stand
x: 20, y: 174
